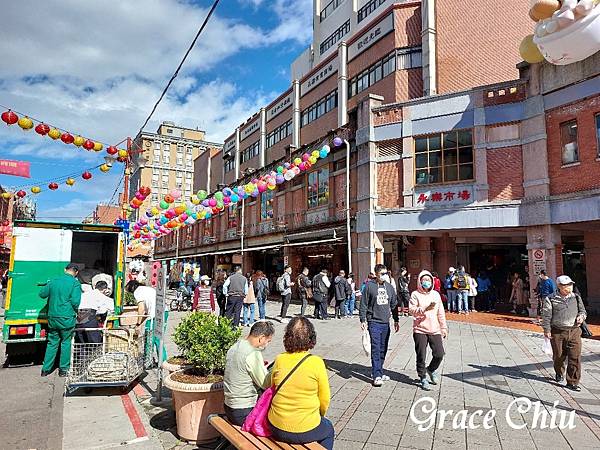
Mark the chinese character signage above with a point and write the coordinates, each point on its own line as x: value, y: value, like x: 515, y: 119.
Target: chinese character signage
x: 250, y: 129
x: 318, y: 77
x: 443, y: 196
x: 280, y: 106
x: 371, y: 36
x: 15, y: 168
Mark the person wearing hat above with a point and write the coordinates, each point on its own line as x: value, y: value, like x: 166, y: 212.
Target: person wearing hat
x: 64, y: 295
x: 562, y: 315
x: 204, y: 297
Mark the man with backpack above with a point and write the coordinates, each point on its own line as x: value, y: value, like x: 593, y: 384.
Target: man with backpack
x: 320, y: 285
x: 451, y: 292
x: 304, y: 289
x: 343, y: 292
x: 462, y: 286
x: 284, y: 286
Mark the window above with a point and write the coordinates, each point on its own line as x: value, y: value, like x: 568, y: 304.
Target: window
x: 166, y: 148
x: 409, y: 58
x: 321, y: 107
x: 169, y: 131
x: 189, y: 150
x: 155, y: 179
x: 279, y: 133
x: 180, y: 149
x: 156, y: 155
x: 229, y: 165
x: 329, y: 8
x: 208, y: 227
x: 372, y: 75
x: 336, y: 36
x: 366, y: 10
x: 266, y: 205
x: 154, y: 198
x: 318, y: 188
x: 598, y: 135
x: 179, y: 160
x: 232, y: 216
x: 157, y: 145
x: 250, y: 152
x: 165, y: 181
x: 568, y: 142
x: 188, y: 175
x: 444, y: 157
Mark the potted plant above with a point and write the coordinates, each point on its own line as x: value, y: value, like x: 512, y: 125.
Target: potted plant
x: 129, y: 311
x: 203, y: 340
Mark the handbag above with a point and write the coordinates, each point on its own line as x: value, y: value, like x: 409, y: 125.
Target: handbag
x: 366, y: 342
x: 585, y: 330
x: 257, y: 422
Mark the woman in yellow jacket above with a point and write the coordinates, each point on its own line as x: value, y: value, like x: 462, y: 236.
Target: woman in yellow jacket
x: 297, y: 413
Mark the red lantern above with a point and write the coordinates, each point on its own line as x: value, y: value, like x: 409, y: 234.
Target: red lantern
x: 67, y: 138
x: 21, y: 194
x: 121, y: 159
x: 88, y: 145
x: 112, y: 150
x: 53, y: 186
x: 145, y: 191
x: 9, y: 117
x: 42, y: 129
x: 86, y: 175
x: 5, y: 223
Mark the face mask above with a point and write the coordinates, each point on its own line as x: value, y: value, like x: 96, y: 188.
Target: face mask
x: 426, y: 284
x: 385, y: 277
x: 206, y: 282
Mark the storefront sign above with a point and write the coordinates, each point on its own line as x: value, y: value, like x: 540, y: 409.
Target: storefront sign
x: 443, y: 196
x: 280, y: 106
x: 254, y: 126
x: 318, y: 77
x: 15, y: 168
x: 371, y: 36
x: 316, y: 217
x: 539, y: 260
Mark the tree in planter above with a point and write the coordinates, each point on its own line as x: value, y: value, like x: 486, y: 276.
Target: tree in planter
x: 203, y: 340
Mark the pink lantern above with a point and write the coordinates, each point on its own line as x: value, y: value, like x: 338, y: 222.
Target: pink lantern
x: 212, y: 202
x: 305, y: 157
x: 262, y: 186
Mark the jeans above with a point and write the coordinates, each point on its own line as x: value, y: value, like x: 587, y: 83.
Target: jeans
x: 422, y: 341
x: 323, y: 434
x: 380, y: 337
x: 262, y: 315
x: 350, y: 303
x: 248, y: 313
x: 285, y: 303
x: 304, y: 300
x: 340, y: 308
x: 234, y: 308
x: 452, y: 300
x: 463, y: 300
x: 237, y: 416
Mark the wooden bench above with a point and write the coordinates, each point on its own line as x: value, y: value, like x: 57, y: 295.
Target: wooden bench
x: 246, y: 441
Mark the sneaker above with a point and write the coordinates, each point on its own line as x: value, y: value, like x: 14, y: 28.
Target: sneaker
x: 574, y: 387
x: 378, y: 382
x: 62, y: 373
x: 385, y: 378
x: 425, y: 384
x: 559, y: 378
x: 434, y: 378
x: 44, y: 373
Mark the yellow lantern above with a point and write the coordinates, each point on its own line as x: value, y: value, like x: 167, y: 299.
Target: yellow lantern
x: 36, y: 190
x: 54, y: 133
x: 6, y: 195
x: 78, y: 141
x: 25, y: 123
x: 70, y: 181
x: 98, y: 146
x: 123, y: 153
x: 529, y: 51
x: 104, y: 168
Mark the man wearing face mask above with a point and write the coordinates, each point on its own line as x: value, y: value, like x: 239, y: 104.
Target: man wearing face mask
x: 204, y: 297
x: 378, y: 303
x: 429, y: 328
x: 245, y: 372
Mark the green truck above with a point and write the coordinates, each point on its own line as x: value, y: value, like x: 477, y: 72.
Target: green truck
x: 40, y: 251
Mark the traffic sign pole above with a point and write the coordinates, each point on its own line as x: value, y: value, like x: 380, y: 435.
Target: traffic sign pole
x: 159, y: 325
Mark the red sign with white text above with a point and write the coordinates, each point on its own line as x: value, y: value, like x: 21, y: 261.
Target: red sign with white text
x: 15, y: 168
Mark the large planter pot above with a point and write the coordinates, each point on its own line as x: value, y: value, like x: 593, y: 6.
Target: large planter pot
x: 171, y: 367
x: 573, y: 43
x: 193, y: 403
x: 129, y: 316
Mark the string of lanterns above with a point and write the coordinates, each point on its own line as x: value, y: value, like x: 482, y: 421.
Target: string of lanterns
x: 173, y: 213
x: 10, y: 117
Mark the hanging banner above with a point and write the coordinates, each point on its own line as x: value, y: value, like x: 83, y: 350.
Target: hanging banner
x: 14, y: 168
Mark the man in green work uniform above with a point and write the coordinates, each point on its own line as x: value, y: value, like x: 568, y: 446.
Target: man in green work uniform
x: 64, y: 295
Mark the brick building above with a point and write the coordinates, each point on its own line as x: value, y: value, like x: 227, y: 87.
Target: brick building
x: 481, y: 174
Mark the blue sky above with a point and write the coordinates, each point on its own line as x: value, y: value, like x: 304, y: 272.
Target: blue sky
x: 99, y: 67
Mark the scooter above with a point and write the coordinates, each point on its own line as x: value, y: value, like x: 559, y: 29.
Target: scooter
x: 182, y: 300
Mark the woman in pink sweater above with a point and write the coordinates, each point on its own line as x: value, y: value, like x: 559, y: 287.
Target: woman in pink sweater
x: 429, y: 328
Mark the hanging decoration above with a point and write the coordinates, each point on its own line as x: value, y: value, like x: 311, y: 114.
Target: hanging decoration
x: 174, y: 212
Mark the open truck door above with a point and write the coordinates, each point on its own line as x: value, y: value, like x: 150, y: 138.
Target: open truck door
x: 37, y: 255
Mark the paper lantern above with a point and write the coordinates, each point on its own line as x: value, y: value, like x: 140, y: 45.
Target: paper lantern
x: 123, y: 153
x: 54, y: 133
x: 104, y: 168
x: 88, y: 145
x: 145, y: 190
x: 169, y: 198
x: 279, y: 179
x: 86, y: 175
x: 78, y: 141
x: 112, y: 150
x: 67, y: 138
x: 326, y: 148
x: 70, y: 181
x: 219, y: 195
x: 201, y: 194
x: 234, y: 198
x: 323, y: 153
x: 42, y: 129
x: 98, y: 147
x: 179, y: 210
x: 53, y: 186
x: 195, y: 200
x: 315, y: 154
x: 297, y: 161
x: 6, y: 195
x: 5, y: 222
x: 21, y: 193
x: 337, y: 141
x: 529, y: 51
x: 121, y: 159
x: 9, y: 117
x: 155, y: 211
x: 176, y: 194
x: 25, y: 123
x: 271, y: 186
x: 212, y: 202
x: 36, y: 190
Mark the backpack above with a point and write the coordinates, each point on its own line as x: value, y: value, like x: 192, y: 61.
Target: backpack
x: 448, y: 282
x: 461, y: 282
x: 280, y: 284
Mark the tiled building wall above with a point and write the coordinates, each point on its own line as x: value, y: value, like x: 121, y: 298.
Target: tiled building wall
x: 505, y: 173
x: 390, y: 184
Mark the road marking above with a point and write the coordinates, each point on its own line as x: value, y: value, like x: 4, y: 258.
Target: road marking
x: 134, y: 418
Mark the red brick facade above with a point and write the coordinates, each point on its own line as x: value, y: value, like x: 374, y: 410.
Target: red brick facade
x: 505, y: 173
x: 389, y: 184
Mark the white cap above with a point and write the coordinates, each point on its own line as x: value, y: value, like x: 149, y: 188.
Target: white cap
x: 451, y: 269
x: 204, y: 278
x: 564, y: 280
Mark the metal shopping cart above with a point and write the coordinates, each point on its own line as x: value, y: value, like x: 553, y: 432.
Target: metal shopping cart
x: 107, y: 357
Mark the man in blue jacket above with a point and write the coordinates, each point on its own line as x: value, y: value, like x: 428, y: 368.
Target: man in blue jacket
x: 544, y: 289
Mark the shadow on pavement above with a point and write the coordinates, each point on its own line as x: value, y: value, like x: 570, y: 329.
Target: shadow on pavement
x: 363, y: 373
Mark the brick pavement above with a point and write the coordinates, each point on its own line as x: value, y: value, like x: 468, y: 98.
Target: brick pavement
x: 485, y: 368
